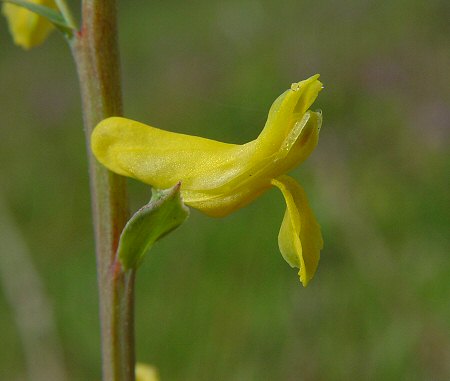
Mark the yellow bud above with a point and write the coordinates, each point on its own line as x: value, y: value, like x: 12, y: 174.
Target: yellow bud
x: 146, y: 372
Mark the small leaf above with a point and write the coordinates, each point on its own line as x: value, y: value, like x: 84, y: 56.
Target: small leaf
x: 52, y: 15
x: 164, y: 213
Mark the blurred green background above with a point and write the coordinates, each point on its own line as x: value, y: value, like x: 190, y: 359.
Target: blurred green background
x: 215, y: 300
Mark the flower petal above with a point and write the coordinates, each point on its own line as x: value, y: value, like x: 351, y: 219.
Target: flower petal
x: 288, y: 109
x: 27, y: 28
x: 146, y: 372
x: 300, y: 239
x: 300, y: 142
x: 216, y: 177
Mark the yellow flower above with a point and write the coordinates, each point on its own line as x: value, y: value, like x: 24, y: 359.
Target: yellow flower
x: 27, y: 28
x: 218, y: 178
x: 146, y: 372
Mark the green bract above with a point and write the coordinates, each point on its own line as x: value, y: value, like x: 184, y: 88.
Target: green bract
x: 161, y: 215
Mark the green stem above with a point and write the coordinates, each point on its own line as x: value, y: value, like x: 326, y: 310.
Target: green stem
x: 96, y: 54
x: 67, y: 13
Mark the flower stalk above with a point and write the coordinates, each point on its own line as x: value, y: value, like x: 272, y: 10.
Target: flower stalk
x: 97, y: 60
x: 66, y: 13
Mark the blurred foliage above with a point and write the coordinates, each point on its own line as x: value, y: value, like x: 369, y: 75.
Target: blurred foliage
x: 216, y: 301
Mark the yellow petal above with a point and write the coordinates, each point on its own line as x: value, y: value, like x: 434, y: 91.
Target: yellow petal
x: 215, y: 176
x: 288, y: 109
x: 300, y: 142
x: 146, y: 372
x: 27, y: 28
x: 300, y: 239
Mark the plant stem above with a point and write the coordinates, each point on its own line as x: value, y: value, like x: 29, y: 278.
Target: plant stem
x: 66, y: 12
x: 97, y: 59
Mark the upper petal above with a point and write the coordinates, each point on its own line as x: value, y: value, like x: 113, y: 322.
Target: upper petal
x: 300, y: 239
x: 216, y: 177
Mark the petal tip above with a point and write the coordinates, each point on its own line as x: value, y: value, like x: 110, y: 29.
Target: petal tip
x: 304, y: 279
x: 296, y: 86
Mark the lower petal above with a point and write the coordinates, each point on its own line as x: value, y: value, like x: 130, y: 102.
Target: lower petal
x: 300, y: 239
